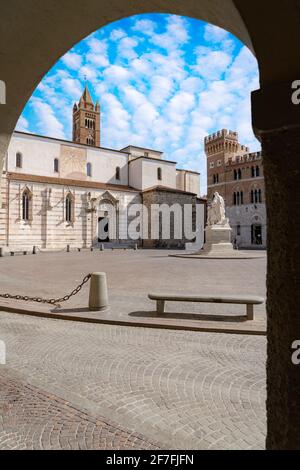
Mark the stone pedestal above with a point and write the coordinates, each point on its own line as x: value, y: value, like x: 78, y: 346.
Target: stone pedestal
x: 218, y: 240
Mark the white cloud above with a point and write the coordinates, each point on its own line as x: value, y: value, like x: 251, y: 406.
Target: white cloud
x: 116, y: 74
x: 98, y: 52
x: 72, y: 60
x: 146, y: 27
x: 126, y: 48
x: 117, y: 34
x: 176, y: 34
x: 211, y: 65
x: 22, y: 125
x: 48, y: 124
x: 215, y: 34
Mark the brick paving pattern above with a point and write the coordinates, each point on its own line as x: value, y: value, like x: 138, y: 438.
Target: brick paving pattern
x: 71, y: 385
x: 31, y: 419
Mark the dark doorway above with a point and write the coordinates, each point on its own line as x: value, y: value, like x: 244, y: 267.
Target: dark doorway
x: 103, y: 227
x: 256, y: 235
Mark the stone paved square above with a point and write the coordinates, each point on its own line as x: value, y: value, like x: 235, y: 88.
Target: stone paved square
x: 71, y: 385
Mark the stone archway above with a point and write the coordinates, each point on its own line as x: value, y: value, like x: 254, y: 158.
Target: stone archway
x: 29, y: 49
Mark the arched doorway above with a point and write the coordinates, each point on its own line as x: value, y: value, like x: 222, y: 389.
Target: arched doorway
x: 275, y: 118
x: 107, y: 220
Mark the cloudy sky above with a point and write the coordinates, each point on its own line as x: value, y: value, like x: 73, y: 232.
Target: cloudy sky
x: 163, y: 82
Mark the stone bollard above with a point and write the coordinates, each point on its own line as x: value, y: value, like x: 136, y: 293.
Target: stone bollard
x: 34, y: 250
x: 68, y: 248
x: 98, y: 299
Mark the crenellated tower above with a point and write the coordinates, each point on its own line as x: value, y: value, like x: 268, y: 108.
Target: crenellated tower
x: 86, y: 121
x: 220, y: 148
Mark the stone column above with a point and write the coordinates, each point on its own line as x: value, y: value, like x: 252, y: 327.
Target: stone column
x: 276, y: 121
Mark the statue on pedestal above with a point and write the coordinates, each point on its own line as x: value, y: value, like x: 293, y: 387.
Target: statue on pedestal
x: 216, y: 212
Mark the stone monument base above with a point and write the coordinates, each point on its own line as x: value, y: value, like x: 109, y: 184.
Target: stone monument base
x: 218, y: 241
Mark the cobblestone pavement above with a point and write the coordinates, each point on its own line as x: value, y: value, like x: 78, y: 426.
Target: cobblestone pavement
x: 66, y: 383
x: 31, y: 419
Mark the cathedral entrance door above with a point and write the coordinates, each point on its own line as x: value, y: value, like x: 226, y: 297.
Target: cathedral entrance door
x: 256, y: 234
x: 103, y: 230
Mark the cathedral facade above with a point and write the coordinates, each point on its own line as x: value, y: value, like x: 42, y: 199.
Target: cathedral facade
x: 238, y: 176
x: 56, y: 192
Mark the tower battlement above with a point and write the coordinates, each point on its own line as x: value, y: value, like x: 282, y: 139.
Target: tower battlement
x: 247, y: 158
x: 225, y: 141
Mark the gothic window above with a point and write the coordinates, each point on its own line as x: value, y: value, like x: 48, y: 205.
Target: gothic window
x: 235, y: 175
x: 159, y: 174
x: 89, y: 169
x: 25, y: 205
x: 259, y: 196
x: 252, y: 197
x: 19, y: 160
x: 238, y: 230
x: 238, y: 198
x: 239, y: 174
x: 118, y: 174
x: 257, y: 172
x: 253, y: 172
x: 69, y: 208
x: 56, y: 165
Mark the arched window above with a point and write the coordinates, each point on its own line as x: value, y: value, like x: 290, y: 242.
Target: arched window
x: 159, y: 174
x: 69, y: 208
x: 235, y: 174
x: 252, y: 197
x: 25, y: 205
x: 238, y: 230
x: 118, y: 173
x: 239, y: 174
x: 242, y: 197
x: 238, y: 198
x: 234, y: 199
x: 257, y: 171
x: 19, y: 160
x: 259, y: 196
x: 89, y: 169
x: 56, y: 165
x: 253, y: 172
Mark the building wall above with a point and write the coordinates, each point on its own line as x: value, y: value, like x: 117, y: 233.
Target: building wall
x: 39, y: 153
x: 188, y: 181
x: 232, y: 171
x: 47, y: 227
x: 161, y: 196
x: 144, y: 173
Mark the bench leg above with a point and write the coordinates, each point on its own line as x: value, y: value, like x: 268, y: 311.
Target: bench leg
x: 250, y: 312
x: 160, y: 306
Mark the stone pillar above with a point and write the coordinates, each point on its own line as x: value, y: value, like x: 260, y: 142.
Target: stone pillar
x: 276, y: 121
x: 98, y: 298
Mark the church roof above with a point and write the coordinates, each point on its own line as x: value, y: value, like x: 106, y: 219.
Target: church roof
x: 86, y: 96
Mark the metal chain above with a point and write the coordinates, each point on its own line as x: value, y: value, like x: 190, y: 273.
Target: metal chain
x: 56, y: 302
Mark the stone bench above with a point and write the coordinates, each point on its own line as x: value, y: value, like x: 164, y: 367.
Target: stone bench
x: 249, y: 301
x: 18, y: 252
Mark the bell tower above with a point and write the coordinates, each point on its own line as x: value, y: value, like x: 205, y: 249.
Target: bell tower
x: 86, y: 121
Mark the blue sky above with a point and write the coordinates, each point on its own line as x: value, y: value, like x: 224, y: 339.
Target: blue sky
x: 163, y: 82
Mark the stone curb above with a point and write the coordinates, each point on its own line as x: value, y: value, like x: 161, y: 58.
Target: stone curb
x: 140, y: 324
